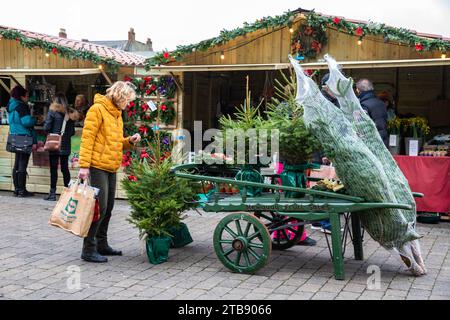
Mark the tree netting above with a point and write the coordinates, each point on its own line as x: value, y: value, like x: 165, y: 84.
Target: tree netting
x: 350, y: 139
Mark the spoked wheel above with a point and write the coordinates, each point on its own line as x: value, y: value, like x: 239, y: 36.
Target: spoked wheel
x: 242, y: 243
x: 285, y: 232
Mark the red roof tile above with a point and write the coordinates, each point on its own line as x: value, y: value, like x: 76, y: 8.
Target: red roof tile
x: 122, y: 57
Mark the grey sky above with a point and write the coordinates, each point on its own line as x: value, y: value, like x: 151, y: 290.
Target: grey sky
x: 170, y: 23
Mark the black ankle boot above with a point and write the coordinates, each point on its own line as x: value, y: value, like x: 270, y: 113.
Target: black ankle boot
x: 51, y: 196
x: 21, y: 185
x: 94, y: 257
x: 108, y: 251
x: 15, y: 182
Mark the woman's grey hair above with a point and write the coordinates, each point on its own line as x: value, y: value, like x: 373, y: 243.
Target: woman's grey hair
x: 119, y: 91
x: 364, y: 85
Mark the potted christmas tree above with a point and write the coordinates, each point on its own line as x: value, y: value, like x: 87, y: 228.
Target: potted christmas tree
x: 157, y: 198
x: 296, y: 142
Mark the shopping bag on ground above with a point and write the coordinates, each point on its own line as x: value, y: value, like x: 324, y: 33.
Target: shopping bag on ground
x: 74, y: 211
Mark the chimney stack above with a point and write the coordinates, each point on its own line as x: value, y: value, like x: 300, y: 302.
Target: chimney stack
x: 149, y: 44
x: 84, y: 40
x: 62, y: 33
x: 131, y: 35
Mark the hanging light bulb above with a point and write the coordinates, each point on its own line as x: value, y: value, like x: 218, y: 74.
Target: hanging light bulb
x: 222, y: 55
x: 443, y: 56
x: 291, y: 30
x: 47, y: 54
x: 359, y: 42
x: 100, y: 67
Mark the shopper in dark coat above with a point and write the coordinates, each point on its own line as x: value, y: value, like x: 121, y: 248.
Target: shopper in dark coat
x: 374, y: 107
x: 54, y: 124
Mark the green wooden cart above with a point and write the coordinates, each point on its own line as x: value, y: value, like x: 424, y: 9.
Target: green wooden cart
x: 242, y: 240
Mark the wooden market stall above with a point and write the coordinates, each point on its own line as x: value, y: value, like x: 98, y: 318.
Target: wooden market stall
x: 45, y: 65
x: 413, y: 67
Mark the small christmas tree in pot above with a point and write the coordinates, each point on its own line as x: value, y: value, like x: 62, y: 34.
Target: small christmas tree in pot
x: 157, y: 198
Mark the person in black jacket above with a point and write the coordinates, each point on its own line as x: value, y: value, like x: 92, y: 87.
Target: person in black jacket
x: 56, y: 117
x: 374, y: 107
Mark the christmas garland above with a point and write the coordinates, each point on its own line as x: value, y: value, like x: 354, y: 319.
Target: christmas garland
x: 315, y: 21
x: 390, y: 34
x: 48, y: 47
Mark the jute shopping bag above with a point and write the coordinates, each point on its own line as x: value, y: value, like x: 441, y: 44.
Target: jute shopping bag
x: 75, y: 209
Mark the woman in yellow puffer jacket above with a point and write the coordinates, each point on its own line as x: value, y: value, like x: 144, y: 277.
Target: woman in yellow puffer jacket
x: 101, y: 149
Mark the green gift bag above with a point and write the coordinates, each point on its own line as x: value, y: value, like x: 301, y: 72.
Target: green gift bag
x: 180, y: 236
x: 158, y: 249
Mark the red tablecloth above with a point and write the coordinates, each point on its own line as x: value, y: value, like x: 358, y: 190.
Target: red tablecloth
x: 430, y: 176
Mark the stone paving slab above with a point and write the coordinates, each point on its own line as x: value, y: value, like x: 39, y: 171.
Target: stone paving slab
x: 37, y: 262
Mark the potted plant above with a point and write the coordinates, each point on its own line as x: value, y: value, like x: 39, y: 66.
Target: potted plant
x: 394, y: 127
x: 296, y: 143
x: 157, y: 200
x: 416, y: 130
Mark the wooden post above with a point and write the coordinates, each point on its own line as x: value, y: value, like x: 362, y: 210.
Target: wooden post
x: 357, y: 237
x: 336, y: 242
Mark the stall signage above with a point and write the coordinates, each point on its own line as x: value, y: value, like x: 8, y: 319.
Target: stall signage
x: 392, y: 140
x: 413, y: 148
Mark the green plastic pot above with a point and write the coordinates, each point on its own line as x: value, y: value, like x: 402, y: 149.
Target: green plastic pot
x: 180, y: 236
x: 158, y: 249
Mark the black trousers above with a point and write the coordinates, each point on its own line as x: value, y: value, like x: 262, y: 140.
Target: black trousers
x: 98, y: 233
x: 21, y: 162
x: 54, y: 160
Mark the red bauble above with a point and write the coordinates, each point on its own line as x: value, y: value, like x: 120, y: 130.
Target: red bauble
x: 164, y: 108
x: 55, y: 51
x: 132, y: 178
x: 153, y: 87
x: 359, y: 31
x: 147, y: 92
x: 419, y: 47
x: 309, y: 31
x: 336, y: 20
x: 145, y: 107
x: 132, y: 104
x: 166, y: 55
x: 127, y: 79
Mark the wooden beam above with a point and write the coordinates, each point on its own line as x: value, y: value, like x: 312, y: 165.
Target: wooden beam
x: 314, y: 65
x: 179, y: 85
x: 5, y: 86
x: 15, y: 80
x: 106, y: 77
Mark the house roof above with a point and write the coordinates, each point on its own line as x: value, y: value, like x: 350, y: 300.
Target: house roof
x: 122, y: 57
x: 125, y: 45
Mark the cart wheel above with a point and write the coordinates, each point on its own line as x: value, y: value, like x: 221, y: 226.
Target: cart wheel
x: 242, y: 243
x: 289, y: 234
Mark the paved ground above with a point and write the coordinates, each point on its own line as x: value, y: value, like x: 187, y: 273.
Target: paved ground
x: 37, y: 261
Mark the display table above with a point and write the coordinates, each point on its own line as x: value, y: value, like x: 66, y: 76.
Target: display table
x: 430, y: 176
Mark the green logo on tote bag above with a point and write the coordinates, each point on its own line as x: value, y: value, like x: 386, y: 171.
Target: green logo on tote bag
x: 68, y: 214
x: 71, y: 207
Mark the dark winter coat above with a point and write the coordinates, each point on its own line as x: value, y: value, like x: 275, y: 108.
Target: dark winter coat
x: 377, y: 112
x: 54, y: 123
x: 20, y: 120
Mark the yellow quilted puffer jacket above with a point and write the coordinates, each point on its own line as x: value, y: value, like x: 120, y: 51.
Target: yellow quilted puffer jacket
x: 102, y: 141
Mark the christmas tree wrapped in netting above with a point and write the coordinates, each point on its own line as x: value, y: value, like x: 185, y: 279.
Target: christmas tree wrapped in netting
x: 366, y: 130
x: 358, y: 167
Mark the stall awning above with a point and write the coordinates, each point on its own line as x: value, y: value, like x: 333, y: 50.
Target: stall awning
x: 314, y: 66
x: 49, y: 72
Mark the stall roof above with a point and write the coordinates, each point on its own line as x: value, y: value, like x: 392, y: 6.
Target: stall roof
x: 314, y: 65
x: 122, y: 57
x: 50, y: 72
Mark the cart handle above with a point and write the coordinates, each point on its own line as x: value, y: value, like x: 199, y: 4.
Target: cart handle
x: 418, y: 195
x: 268, y: 186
